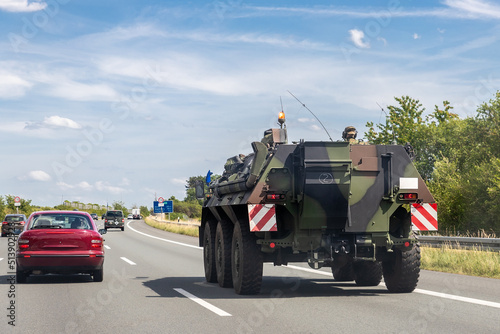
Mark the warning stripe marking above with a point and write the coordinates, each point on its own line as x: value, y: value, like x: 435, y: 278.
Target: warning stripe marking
x: 262, y: 217
x: 424, y: 217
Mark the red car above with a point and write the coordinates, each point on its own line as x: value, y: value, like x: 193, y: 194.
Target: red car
x: 60, y: 242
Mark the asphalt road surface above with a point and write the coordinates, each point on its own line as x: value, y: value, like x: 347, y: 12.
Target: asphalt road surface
x: 154, y: 283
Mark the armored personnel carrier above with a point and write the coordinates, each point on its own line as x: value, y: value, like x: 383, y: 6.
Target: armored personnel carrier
x: 331, y: 204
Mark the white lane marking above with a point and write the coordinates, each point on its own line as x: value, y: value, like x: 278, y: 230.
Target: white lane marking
x: 459, y: 298
x: 324, y: 273
x: 425, y: 292
x: 151, y: 236
x: 128, y: 261
x: 203, y: 303
x: 1, y: 258
x: 107, y: 247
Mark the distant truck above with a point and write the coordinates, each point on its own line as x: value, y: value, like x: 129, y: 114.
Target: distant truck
x: 350, y: 207
x: 136, y: 213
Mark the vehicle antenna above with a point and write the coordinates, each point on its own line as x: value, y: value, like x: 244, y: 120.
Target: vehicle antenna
x: 394, y: 142
x: 312, y: 114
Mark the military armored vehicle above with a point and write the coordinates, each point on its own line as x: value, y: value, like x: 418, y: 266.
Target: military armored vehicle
x: 330, y: 204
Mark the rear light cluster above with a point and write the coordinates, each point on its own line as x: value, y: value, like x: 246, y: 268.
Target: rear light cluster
x: 23, y: 244
x: 408, y: 197
x: 96, y: 243
x: 275, y: 197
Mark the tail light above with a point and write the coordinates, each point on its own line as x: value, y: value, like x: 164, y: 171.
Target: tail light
x: 275, y: 197
x: 123, y: 220
x: 3, y: 223
x: 408, y: 197
x: 96, y: 243
x: 23, y: 244
x: 22, y: 222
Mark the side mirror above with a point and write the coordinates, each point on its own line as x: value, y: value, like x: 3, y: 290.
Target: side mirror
x: 199, y: 189
x: 103, y: 231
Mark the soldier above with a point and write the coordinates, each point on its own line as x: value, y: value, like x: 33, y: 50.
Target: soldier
x: 349, y: 134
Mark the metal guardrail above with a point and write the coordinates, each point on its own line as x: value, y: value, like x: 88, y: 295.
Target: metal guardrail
x: 484, y: 244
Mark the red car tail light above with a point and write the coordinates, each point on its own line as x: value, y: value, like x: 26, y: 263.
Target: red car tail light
x: 3, y: 223
x: 23, y: 244
x: 96, y: 243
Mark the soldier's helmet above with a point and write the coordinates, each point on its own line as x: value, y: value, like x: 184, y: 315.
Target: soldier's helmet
x: 349, y: 132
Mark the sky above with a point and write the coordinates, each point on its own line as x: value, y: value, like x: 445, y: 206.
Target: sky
x: 122, y: 101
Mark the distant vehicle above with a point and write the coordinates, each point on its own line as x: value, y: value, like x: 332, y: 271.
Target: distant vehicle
x: 13, y: 223
x: 136, y: 213
x: 114, y: 219
x: 130, y: 216
x: 60, y: 242
x: 94, y: 216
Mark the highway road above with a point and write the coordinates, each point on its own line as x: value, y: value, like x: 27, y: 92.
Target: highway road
x: 154, y: 283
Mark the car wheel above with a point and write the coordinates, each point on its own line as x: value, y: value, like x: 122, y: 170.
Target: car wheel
x: 123, y: 228
x: 98, y: 275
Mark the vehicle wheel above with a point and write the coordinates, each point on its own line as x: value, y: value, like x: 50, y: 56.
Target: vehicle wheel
x: 344, y: 273
x: 98, y: 275
x: 402, y: 272
x: 246, y: 260
x: 123, y: 228
x: 367, y: 273
x: 209, y: 252
x: 21, y: 277
x: 223, y: 245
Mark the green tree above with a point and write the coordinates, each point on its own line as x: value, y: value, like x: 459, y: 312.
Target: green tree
x: 144, y: 211
x: 119, y: 205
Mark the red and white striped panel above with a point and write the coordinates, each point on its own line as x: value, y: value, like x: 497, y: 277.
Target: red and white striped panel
x: 262, y: 217
x: 424, y: 217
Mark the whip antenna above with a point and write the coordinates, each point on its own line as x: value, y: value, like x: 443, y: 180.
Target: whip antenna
x: 312, y: 114
x: 394, y: 142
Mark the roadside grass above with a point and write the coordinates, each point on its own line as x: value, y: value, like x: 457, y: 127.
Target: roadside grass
x: 473, y: 262
x: 172, y: 227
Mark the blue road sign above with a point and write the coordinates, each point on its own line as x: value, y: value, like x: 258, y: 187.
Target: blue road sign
x: 167, y: 207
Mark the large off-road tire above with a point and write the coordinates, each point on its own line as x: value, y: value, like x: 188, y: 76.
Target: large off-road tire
x: 367, y: 273
x: 209, y: 252
x: 246, y: 260
x: 223, y: 237
x: 401, y: 273
x: 344, y: 273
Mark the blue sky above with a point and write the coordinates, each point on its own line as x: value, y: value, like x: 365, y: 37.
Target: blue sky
x: 104, y: 101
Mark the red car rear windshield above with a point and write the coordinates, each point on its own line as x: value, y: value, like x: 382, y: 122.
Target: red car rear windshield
x: 59, y: 221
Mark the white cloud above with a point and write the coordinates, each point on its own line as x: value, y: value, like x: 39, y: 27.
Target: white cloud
x: 357, y: 37
x: 475, y: 8
x: 12, y: 86
x: 106, y: 187
x: 22, y: 5
x: 61, y: 122
x: 52, y: 122
x: 36, y: 175
x: 416, y: 36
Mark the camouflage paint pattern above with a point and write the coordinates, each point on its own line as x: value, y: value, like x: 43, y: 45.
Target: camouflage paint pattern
x: 325, y: 191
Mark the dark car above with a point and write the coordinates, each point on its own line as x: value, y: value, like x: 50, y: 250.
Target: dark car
x: 94, y: 216
x: 60, y: 242
x: 13, y: 223
x: 114, y: 219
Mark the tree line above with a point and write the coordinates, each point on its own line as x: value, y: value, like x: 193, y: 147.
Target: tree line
x: 459, y: 159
